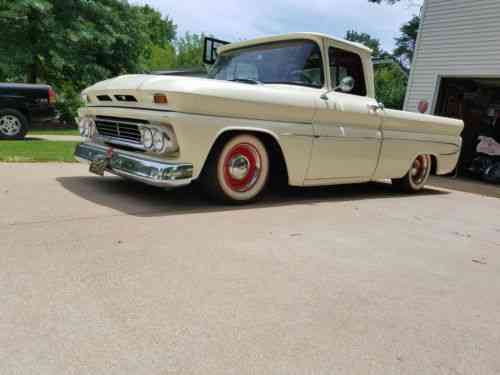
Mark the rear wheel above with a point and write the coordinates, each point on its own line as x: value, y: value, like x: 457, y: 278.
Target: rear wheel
x: 237, y: 171
x: 13, y: 124
x: 417, y: 176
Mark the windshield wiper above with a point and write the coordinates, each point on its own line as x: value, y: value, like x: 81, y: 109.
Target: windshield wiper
x: 246, y: 80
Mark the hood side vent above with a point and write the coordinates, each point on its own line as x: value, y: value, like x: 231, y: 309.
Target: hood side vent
x: 125, y: 98
x: 104, y: 98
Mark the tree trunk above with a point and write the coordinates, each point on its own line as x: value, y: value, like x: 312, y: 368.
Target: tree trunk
x: 33, y: 37
x: 33, y: 71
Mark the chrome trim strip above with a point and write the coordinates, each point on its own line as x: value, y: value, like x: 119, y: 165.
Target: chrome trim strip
x: 340, y: 138
x: 152, y: 172
x: 420, y: 140
x: 198, y: 114
x: 119, y: 142
x: 297, y: 135
x: 451, y: 153
x: 128, y: 122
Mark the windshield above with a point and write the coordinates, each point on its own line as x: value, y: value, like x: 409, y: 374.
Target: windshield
x: 296, y: 62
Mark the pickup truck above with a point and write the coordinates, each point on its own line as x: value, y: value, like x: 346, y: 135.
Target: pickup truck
x: 300, y: 105
x: 21, y: 105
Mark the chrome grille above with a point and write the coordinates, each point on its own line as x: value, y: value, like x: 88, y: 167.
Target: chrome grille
x: 119, y: 128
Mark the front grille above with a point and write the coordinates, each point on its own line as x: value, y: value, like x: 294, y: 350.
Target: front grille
x: 122, y: 129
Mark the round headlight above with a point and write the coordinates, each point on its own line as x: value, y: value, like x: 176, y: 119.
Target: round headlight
x: 86, y: 126
x: 170, y: 141
x: 147, y: 138
x: 158, y: 141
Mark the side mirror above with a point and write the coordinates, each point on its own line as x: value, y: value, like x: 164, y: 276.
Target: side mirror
x: 210, y: 47
x: 346, y: 85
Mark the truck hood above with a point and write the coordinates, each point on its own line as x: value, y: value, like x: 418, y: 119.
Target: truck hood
x: 205, y: 96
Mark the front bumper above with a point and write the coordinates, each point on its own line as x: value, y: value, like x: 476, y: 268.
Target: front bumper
x: 137, y: 167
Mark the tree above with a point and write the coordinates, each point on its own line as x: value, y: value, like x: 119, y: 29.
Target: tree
x: 390, y: 80
x: 161, y: 30
x: 390, y: 85
x: 189, y: 51
x: 367, y: 40
x: 184, y: 52
x: 71, y: 44
x: 407, y: 42
x: 161, y: 58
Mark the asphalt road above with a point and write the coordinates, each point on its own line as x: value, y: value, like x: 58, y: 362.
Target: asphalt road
x: 104, y: 276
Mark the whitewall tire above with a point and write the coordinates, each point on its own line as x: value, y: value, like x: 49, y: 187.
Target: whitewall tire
x: 238, y: 170
x: 417, y: 176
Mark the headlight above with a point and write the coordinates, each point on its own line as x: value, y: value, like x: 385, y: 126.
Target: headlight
x: 158, y: 141
x: 86, y: 127
x: 171, y: 144
x: 147, y: 138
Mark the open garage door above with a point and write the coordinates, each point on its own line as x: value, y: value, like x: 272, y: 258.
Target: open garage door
x: 477, y: 102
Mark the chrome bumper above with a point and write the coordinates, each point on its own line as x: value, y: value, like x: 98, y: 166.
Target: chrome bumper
x: 136, y: 167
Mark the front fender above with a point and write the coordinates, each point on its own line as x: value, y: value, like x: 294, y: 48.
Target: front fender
x: 197, y: 136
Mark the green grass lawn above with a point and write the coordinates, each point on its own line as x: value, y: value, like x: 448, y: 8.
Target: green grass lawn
x: 54, y: 132
x: 36, y: 151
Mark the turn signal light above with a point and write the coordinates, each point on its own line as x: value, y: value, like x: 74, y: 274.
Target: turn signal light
x: 161, y: 99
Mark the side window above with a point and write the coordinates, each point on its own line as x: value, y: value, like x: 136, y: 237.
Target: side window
x: 344, y: 64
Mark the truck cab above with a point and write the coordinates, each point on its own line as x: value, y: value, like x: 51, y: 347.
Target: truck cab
x: 341, y: 72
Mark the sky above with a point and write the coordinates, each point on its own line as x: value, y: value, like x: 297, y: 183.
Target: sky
x: 240, y: 20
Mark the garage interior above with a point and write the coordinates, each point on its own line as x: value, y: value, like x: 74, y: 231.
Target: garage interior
x: 477, y: 102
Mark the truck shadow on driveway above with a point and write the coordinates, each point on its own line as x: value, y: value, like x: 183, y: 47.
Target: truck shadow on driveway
x: 137, y: 199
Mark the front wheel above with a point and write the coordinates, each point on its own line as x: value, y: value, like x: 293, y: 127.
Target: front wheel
x: 417, y: 176
x: 238, y: 171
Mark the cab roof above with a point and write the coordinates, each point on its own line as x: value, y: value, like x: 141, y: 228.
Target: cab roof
x: 318, y: 37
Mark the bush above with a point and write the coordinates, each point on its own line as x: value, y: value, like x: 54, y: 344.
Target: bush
x: 68, y: 102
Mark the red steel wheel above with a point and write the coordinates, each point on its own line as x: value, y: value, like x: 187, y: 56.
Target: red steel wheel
x: 239, y: 171
x: 242, y: 166
x: 417, y: 176
x: 420, y: 170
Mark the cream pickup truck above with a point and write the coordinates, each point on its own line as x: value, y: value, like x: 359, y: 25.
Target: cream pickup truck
x: 300, y: 105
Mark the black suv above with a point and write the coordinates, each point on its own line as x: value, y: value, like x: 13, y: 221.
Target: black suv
x: 24, y: 104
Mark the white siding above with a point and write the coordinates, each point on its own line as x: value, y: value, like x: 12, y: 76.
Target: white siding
x: 457, y: 38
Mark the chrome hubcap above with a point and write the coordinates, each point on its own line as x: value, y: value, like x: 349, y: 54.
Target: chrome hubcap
x: 238, y: 167
x: 241, y: 167
x: 10, y: 125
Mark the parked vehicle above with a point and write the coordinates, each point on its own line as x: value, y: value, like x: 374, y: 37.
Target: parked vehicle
x: 22, y: 105
x: 302, y: 104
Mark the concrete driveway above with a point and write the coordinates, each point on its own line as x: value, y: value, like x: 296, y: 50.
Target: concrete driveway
x: 104, y: 276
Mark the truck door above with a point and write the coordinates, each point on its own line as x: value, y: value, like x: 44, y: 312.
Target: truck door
x: 347, y: 126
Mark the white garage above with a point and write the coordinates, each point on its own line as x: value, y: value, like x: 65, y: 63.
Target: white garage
x: 456, y: 70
